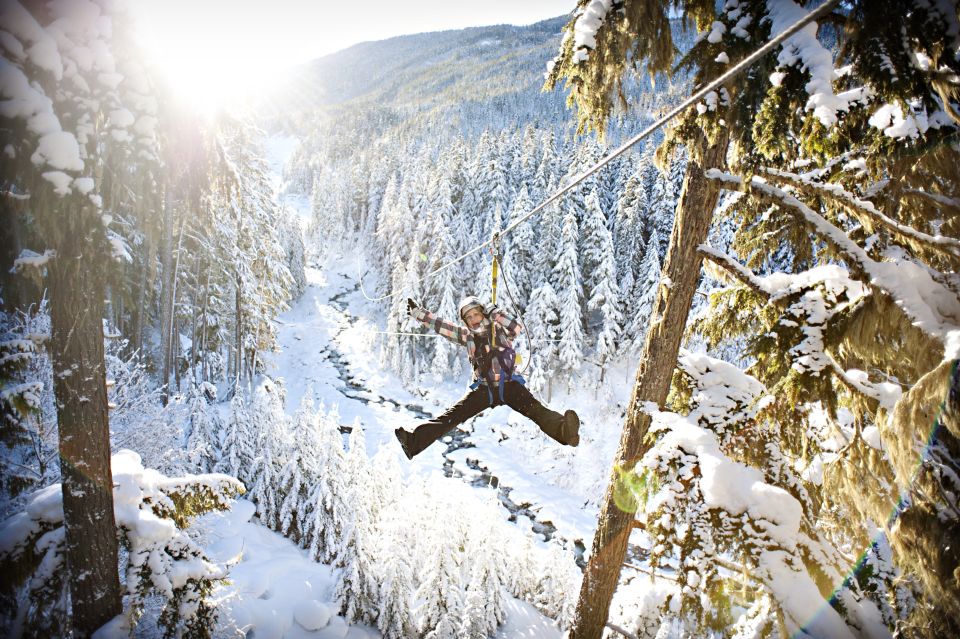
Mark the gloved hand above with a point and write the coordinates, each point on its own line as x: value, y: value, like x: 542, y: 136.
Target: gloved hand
x: 490, y: 309
x: 411, y: 306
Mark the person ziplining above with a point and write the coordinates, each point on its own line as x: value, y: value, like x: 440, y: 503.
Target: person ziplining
x: 488, y: 338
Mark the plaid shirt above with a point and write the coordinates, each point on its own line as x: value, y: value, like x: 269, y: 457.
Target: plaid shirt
x: 507, y: 330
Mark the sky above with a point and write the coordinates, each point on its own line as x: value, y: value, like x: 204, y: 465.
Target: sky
x: 212, y: 48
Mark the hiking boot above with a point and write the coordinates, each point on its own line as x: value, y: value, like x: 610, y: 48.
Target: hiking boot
x: 404, y: 438
x: 570, y: 430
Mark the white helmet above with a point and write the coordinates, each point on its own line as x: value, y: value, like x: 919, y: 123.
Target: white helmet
x: 466, y: 304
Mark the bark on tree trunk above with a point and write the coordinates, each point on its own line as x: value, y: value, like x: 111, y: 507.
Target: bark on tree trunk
x: 238, y: 345
x: 174, y: 331
x: 76, y: 311
x: 166, y: 297
x: 657, y: 360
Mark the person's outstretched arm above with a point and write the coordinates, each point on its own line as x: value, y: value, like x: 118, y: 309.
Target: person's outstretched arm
x: 446, y: 329
x: 510, y: 324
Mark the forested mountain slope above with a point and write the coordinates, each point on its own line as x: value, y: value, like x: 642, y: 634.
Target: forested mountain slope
x: 452, y: 132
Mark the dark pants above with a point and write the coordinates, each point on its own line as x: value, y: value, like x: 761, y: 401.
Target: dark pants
x: 515, y: 395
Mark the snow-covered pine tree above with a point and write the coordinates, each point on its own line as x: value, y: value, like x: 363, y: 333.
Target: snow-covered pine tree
x: 628, y: 240
x: 542, y: 330
x: 663, y: 201
x: 645, y: 291
x: 396, y: 575
x: 324, y: 526
x: 299, y: 472
x: 162, y: 560
x: 408, y: 363
x: 262, y: 279
x: 270, y: 433
x: 548, y: 241
x: 521, y: 257
x: 357, y: 589
x: 291, y: 239
x: 484, y: 597
x: 841, y: 194
x: 56, y: 141
x: 388, y: 226
x: 445, y: 360
x: 203, y: 443
x: 238, y: 448
x: 20, y: 405
x: 601, y: 282
x: 440, y: 591
x: 569, y: 287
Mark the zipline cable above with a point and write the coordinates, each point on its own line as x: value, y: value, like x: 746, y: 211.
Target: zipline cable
x: 731, y: 73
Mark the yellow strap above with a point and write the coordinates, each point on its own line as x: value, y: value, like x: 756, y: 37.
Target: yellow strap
x: 493, y: 326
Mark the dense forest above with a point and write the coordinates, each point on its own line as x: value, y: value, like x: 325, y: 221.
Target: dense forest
x: 756, y: 311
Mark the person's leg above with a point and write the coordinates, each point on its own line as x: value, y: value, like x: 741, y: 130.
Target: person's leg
x: 428, y: 432
x: 562, y: 428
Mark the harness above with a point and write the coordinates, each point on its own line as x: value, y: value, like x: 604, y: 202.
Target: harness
x: 503, y: 354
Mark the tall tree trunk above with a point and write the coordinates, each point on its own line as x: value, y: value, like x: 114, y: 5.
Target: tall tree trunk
x: 657, y: 360
x: 141, y: 304
x: 166, y: 296
x: 203, y: 330
x: 238, y: 345
x: 174, y: 332
x: 194, y: 323
x: 76, y: 311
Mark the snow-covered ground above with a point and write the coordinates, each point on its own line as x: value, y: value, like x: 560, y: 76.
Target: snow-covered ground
x: 274, y: 589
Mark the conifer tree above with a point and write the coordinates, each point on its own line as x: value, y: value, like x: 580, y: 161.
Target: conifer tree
x: 237, y: 452
x: 542, y: 331
x: 440, y: 589
x: 395, y: 620
x: 445, y: 359
x: 270, y: 432
x: 63, y: 106
x: 203, y: 444
x: 323, y: 526
x: 569, y: 295
x: 822, y: 140
x: 484, y: 596
x: 357, y: 589
x: 522, y: 255
x: 298, y: 472
x: 645, y: 290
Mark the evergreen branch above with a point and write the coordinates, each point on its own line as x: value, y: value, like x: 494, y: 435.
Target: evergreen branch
x: 865, y: 210
x: 936, y: 197
x: 885, y: 398
x: 734, y: 268
x: 931, y: 306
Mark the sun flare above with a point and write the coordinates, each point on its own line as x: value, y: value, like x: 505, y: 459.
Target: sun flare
x: 207, y: 60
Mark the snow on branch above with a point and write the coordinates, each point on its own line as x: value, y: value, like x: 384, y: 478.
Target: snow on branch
x: 698, y: 479
x: 586, y: 27
x: 931, y: 307
x: 885, y: 393
x: 866, y: 209
x: 804, y: 51
x: 936, y: 197
x: 32, y: 259
x: 151, y: 511
x: 734, y: 268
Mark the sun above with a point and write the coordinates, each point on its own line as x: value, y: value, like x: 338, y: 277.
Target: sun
x: 209, y: 60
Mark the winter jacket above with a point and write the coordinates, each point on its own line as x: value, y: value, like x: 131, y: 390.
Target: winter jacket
x: 485, y: 367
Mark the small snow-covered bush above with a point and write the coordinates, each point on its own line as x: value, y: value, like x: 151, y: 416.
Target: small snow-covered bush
x: 28, y: 427
x: 151, y: 513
